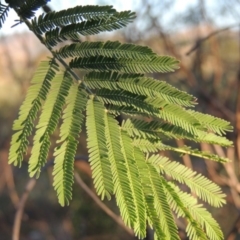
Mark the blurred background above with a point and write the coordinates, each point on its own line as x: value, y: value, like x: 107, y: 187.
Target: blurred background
x: 205, y: 36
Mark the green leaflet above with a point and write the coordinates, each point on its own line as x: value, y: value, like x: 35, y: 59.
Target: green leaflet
x: 212, y: 139
x: 63, y: 170
x: 156, y: 90
x: 98, y: 152
x: 152, y: 215
x: 122, y: 188
x: 162, y: 206
x: 37, y: 92
x: 168, y: 112
x: 214, y: 124
x: 153, y: 129
x: 106, y: 49
x: 66, y: 151
x: 137, y: 83
x: 153, y: 218
x: 186, y: 205
x: 46, y: 22
x: 200, y: 185
x: 156, y: 204
x: 48, y: 121
x: 194, y: 230
x: 156, y: 129
x: 100, y: 63
x: 124, y: 98
x: 135, y: 185
x: 179, y: 117
x: 72, y: 31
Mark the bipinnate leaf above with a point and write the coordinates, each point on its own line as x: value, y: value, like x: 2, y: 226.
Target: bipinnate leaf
x: 103, y: 81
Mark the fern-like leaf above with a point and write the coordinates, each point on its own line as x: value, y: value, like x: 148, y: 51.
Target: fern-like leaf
x: 65, y: 153
x: 98, y: 152
x: 116, y: 21
x: 106, y: 49
x: 122, y: 188
x: 141, y: 129
x: 157, y: 206
x: 184, y: 204
x: 155, y: 90
x: 206, y: 221
x: 51, y: 20
x: 168, y: 112
x: 177, y: 116
x: 153, y: 218
x: 137, y: 84
x: 135, y: 184
x: 162, y: 206
x: 214, y: 124
x: 200, y: 185
x: 101, y: 63
x: 36, y: 94
x: 194, y: 229
x: 212, y: 139
x: 124, y: 98
x: 155, y: 129
x: 48, y: 121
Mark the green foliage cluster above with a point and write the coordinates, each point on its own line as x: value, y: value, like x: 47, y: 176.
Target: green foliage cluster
x: 124, y: 157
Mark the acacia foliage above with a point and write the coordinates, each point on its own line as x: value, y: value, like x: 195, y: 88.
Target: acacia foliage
x: 123, y: 157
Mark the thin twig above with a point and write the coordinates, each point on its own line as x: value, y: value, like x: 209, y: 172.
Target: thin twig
x: 192, y: 81
x: 108, y: 211
x: 186, y: 158
x: 18, y: 216
x: 233, y: 180
x: 201, y: 40
x: 7, y: 174
x: 10, y: 184
x: 212, y: 167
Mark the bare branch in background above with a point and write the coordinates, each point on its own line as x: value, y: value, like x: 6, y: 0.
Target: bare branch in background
x: 95, y: 198
x: 18, y: 216
x: 186, y: 158
x: 201, y: 40
x: 192, y: 81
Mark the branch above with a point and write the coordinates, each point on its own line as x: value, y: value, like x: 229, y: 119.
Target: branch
x: 186, y: 158
x: 18, y: 216
x: 95, y: 198
x: 201, y: 40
